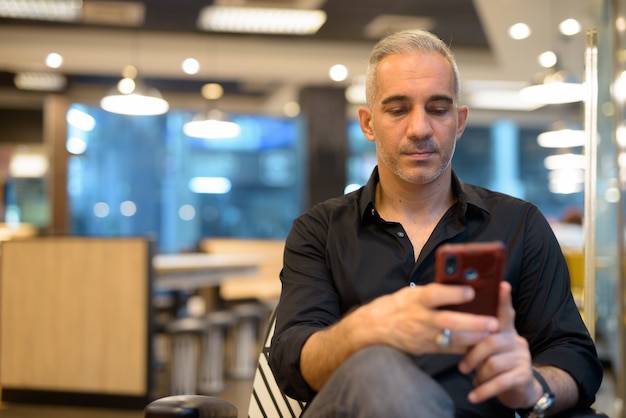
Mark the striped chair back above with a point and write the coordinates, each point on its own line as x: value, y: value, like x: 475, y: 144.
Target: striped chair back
x: 267, y: 401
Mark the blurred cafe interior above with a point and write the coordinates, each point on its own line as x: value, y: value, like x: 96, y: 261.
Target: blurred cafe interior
x: 153, y: 154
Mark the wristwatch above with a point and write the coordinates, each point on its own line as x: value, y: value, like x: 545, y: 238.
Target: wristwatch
x: 543, y: 404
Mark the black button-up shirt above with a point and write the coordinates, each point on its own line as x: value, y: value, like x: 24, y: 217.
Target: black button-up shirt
x: 341, y: 254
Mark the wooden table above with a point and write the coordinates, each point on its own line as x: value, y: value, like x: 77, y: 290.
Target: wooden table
x: 190, y: 271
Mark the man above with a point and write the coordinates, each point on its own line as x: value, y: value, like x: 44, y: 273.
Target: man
x: 359, y: 327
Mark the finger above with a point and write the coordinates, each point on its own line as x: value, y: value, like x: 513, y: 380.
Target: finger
x: 465, y: 339
x: 480, y: 325
x: 435, y: 295
x: 489, y: 389
x: 484, y: 351
x: 496, y: 353
x: 506, y: 313
x: 501, y: 363
x: 498, y: 384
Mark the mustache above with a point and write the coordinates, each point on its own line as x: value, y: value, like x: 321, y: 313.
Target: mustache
x: 421, y: 145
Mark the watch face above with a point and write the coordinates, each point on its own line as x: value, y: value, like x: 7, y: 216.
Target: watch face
x: 543, y: 404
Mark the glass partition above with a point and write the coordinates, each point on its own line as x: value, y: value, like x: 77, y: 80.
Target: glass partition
x: 604, y: 240
x: 143, y: 176
x: 517, y: 168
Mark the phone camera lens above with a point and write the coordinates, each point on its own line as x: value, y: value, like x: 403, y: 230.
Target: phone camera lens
x: 470, y: 274
x: 450, y: 265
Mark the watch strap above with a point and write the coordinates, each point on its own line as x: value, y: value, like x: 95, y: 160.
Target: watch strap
x: 543, y: 404
x: 542, y: 381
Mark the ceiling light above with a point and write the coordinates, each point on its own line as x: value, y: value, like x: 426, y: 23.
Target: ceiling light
x: 355, y: 94
x: 569, y: 27
x: 212, y: 91
x: 619, y: 88
x: 40, y: 81
x: 30, y: 165
x: 191, y: 66
x: 134, y: 98
x: 338, y: 72
x: 620, y: 136
x: 210, y: 185
x: 55, y: 10
x: 555, y: 88
x: 54, y: 60
x: 75, y: 145
x: 562, y: 138
x: 126, y: 85
x: 499, y: 100
x: 553, y: 93
x: 564, y: 161
x: 81, y: 120
x: 211, y: 126
x: 129, y: 71
x: 495, y: 95
x: 547, y: 59
x: 141, y: 101
x: 567, y: 174
x: 566, y: 181
x: 291, y: 109
x: 519, y: 31
x: 149, y: 103
x: 211, y: 129
x: 261, y: 20
x: 126, y: 13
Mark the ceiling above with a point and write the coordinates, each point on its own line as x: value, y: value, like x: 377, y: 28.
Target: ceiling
x: 261, y: 73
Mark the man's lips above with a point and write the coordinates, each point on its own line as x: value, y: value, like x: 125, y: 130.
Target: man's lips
x: 420, y: 153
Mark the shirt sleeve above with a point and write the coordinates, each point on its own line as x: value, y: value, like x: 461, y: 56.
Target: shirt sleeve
x: 308, y: 302
x: 546, y: 314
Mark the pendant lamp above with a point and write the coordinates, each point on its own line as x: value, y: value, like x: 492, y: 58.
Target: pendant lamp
x: 555, y: 87
x: 212, y: 125
x: 133, y: 97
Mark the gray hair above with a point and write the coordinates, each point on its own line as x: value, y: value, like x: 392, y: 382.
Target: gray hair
x: 404, y: 42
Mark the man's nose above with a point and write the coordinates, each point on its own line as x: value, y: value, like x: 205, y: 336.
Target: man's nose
x: 419, y: 125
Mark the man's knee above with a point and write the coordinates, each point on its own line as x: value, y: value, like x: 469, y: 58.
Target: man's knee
x: 383, y: 381
x: 377, y: 363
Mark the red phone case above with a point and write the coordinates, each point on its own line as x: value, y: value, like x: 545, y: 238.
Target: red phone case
x: 477, y: 264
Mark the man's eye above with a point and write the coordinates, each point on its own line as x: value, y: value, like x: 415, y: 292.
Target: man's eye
x: 397, y: 110
x: 438, y: 110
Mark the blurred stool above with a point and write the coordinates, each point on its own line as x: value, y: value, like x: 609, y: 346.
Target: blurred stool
x: 245, y: 339
x: 186, y: 341
x: 213, y: 351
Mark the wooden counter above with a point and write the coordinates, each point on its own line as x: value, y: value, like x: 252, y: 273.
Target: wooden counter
x: 76, y: 315
x: 75, y: 321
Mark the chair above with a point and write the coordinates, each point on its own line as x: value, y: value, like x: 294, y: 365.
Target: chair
x: 266, y: 400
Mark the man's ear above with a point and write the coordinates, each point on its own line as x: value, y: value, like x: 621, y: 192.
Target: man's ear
x: 365, y: 121
x: 463, y: 112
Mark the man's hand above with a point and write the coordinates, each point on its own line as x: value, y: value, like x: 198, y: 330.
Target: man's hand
x: 502, y: 362
x: 503, y: 366
x: 410, y: 320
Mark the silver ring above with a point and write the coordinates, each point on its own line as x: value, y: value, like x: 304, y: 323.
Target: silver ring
x: 444, y: 338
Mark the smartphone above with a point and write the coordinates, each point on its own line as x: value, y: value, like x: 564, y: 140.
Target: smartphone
x: 476, y: 264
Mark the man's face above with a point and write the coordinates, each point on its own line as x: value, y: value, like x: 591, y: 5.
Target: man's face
x: 414, y: 119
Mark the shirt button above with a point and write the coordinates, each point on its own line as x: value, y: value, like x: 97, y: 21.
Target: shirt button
x: 412, y: 284
x: 401, y: 234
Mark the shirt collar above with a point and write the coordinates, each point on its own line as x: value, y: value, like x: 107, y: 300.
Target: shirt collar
x: 467, y: 197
